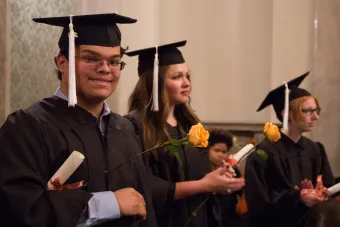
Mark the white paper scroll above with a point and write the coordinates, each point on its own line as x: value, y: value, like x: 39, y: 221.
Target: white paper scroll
x: 244, y: 152
x: 67, y: 168
x: 334, y: 189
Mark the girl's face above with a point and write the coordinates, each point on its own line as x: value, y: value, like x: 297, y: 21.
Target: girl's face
x: 218, y: 153
x: 177, y: 84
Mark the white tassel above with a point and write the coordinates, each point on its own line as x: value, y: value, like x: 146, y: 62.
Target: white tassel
x: 72, y: 93
x: 286, y: 110
x: 155, y: 106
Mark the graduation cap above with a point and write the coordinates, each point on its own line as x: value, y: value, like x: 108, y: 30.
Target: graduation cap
x: 280, y: 97
x: 154, y: 57
x: 168, y: 54
x: 95, y: 29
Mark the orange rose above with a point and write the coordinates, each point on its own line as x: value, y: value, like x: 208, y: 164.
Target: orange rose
x: 198, y: 136
x: 272, y: 132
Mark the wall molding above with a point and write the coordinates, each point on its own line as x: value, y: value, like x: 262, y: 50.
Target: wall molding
x: 238, y: 127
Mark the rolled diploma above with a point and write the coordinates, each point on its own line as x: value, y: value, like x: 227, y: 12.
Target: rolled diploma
x: 67, y: 168
x: 334, y: 189
x: 243, y: 152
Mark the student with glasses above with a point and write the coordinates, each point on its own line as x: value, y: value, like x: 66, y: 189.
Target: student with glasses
x: 273, y: 189
x: 36, y: 141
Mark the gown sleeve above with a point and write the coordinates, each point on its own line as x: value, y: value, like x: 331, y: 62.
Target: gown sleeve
x: 326, y: 171
x: 26, y: 145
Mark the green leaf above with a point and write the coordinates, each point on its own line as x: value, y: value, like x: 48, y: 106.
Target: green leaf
x: 174, y: 149
x: 262, y: 154
x: 176, y: 154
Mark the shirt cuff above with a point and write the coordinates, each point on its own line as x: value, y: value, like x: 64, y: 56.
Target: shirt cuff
x: 102, y: 207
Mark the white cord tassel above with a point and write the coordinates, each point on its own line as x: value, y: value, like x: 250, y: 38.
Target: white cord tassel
x: 72, y: 93
x: 286, y: 110
x: 155, y: 106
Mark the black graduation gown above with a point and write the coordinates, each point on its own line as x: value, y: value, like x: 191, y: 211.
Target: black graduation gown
x: 166, y: 171
x: 33, y: 145
x: 270, y: 195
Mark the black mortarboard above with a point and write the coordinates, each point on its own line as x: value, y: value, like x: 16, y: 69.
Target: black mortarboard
x: 276, y: 97
x: 96, y: 29
x: 154, y: 57
x: 168, y: 54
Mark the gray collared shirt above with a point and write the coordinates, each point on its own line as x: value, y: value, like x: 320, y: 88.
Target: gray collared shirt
x: 106, y: 111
